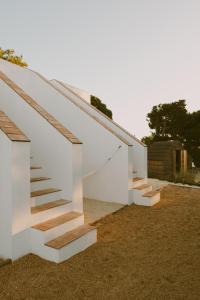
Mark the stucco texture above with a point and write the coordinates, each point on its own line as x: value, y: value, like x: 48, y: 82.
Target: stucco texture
x: 141, y: 253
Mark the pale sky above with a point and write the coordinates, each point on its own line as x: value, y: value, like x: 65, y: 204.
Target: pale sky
x: 133, y: 54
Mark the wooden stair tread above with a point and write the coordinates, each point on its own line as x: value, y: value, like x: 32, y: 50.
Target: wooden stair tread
x: 44, y: 192
x: 35, y: 168
x: 36, y: 179
x: 30, y: 101
x: 49, y: 205
x: 69, y: 237
x: 142, y: 187
x: 151, y: 193
x: 137, y: 179
x: 49, y: 224
x: 11, y: 130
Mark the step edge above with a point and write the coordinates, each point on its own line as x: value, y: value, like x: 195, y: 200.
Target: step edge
x: 51, y: 227
x: 41, y: 179
x: 155, y: 192
x: 64, y: 203
x: 89, y: 229
x: 46, y: 193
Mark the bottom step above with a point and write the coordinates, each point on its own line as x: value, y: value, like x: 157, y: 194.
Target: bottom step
x: 69, y: 244
x: 149, y: 198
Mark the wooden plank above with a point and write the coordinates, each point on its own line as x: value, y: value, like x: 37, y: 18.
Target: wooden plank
x: 135, y: 179
x: 36, y: 179
x: 49, y: 205
x: 49, y: 224
x: 142, y: 187
x: 49, y: 118
x: 35, y: 167
x: 151, y: 194
x: 69, y: 237
x: 11, y: 130
x: 44, y: 192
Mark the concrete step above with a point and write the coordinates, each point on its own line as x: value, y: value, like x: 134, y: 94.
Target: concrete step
x: 69, y: 244
x: 37, y: 171
x: 138, y: 181
x: 38, y: 179
x: 149, y: 198
x: 52, y: 228
x: 43, y: 196
x: 49, y: 205
x: 40, y: 183
x: 49, y: 210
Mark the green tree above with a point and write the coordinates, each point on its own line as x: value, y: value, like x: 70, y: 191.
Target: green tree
x: 167, y: 119
x: 10, y: 56
x: 172, y: 121
x: 96, y: 102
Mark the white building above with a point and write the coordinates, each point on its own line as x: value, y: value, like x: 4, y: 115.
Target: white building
x: 56, y: 149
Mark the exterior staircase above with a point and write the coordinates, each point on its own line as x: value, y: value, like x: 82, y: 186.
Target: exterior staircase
x: 142, y: 193
x: 57, y: 232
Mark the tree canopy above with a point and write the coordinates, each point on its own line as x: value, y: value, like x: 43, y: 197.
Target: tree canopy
x: 172, y: 121
x: 10, y: 56
x: 96, y: 102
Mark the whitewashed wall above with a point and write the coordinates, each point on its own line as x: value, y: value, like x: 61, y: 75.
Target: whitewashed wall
x: 51, y: 150
x: 99, y: 143
x: 15, y: 212
x: 139, y: 149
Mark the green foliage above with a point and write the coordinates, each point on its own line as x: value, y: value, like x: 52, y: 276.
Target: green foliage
x: 167, y: 119
x: 10, y: 56
x: 147, y: 140
x: 96, y: 102
x: 172, y: 121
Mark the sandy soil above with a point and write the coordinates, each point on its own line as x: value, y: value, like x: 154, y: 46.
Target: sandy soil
x: 142, y: 253
x: 95, y: 210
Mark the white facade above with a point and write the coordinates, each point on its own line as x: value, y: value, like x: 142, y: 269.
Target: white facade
x: 62, y: 171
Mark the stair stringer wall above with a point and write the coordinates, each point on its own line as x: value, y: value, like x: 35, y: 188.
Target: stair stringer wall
x: 139, y: 149
x: 98, y: 142
x: 51, y: 150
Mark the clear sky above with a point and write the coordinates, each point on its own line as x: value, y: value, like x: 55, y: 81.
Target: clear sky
x: 133, y: 54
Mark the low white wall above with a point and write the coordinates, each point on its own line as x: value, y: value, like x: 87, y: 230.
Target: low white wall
x: 51, y: 150
x: 139, y: 150
x: 15, y: 214
x: 113, y: 176
x: 98, y: 142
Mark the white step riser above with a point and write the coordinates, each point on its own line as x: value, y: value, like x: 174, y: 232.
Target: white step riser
x: 149, y: 201
x: 50, y: 213
x: 139, y: 183
x: 60, y: 255
x: 39, y: 237
x: 45, y: 198
x: 38, y: 173
x: 40, y: 185
x: 139, y: 193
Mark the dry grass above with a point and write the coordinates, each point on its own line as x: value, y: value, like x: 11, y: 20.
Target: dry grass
x: 142, y: 253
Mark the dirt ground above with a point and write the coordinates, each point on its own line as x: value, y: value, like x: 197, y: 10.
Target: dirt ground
x: 142, y: 253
